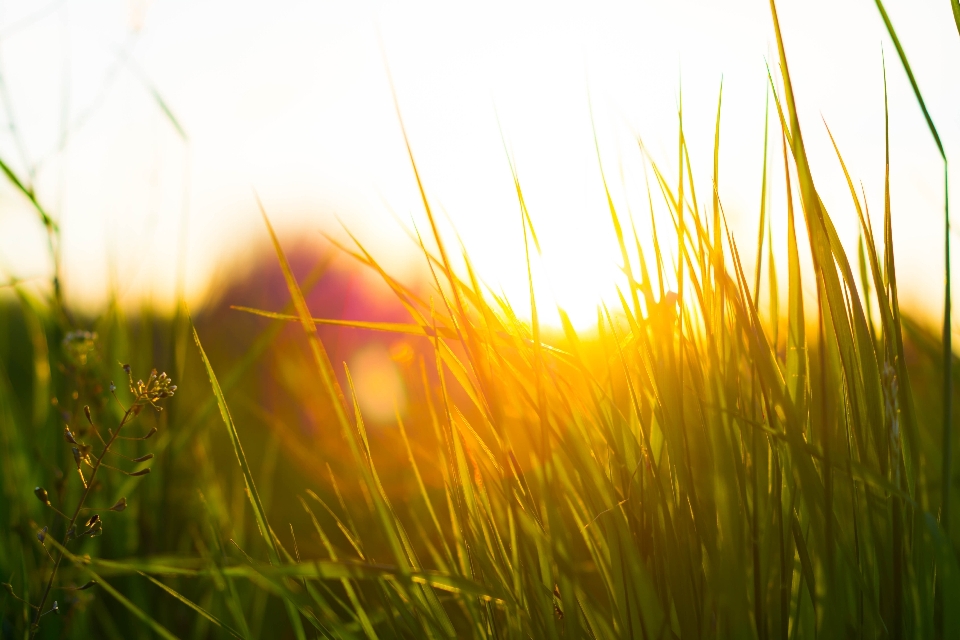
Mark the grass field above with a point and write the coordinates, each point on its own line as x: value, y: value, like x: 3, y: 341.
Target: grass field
x: 705, y: 462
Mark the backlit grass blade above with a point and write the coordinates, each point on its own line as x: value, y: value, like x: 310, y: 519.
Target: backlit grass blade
x: 157, y: 628
x: 947, y: 440
x: 80, y: 563
x: 203, y: 612
x: 254, y: 497
x: 913, y: 81
x: 320, y: 357
x: 390, y: 327
x: 716, y: 250
x: 45, y: 218
x: 761, y: 225
x: 358, y: 609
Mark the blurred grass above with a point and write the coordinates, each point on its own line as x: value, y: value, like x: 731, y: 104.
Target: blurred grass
x: 693, y: 467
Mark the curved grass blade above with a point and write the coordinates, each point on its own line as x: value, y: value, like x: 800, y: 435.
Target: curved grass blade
x: 254, y: 497
x: 203, y: 612
x: 84, y: 564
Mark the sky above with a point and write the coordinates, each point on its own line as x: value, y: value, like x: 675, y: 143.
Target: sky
x: 147, y: 128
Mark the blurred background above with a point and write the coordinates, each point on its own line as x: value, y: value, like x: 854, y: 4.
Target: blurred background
x: 146, y: 127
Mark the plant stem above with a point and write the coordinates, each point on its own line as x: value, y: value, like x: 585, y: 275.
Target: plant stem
x: 76, y: 514
x: 947, y: 367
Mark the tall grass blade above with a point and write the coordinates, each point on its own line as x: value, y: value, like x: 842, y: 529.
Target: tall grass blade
x: 947, y: 323
x: 254, y: 497
x: 203, y: 612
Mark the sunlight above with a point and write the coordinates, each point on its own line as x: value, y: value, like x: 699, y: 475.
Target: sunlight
x: 301, y: 110
x: 378, y: 385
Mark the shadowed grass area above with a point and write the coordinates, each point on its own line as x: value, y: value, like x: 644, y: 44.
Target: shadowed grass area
x: 693, y: 467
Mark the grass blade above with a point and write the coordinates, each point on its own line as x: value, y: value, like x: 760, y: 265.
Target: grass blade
x: 258, y: 511
x: 203, y: 612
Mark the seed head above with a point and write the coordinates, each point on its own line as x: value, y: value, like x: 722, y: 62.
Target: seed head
x: 157, y: 387
x: 41, y: 494
x: 94, y: 526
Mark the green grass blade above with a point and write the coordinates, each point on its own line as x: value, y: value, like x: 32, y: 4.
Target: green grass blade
x: 158, y: 628
x: 254, y: 497
x: 913, y: 81
x: 947, y: 323
x: 203, y: 612
x: 84, y: 565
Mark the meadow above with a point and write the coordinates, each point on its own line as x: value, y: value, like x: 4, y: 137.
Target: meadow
x: 704, y: 462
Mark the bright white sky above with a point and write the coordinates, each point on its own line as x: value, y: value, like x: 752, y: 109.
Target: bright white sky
x: 292, y: 99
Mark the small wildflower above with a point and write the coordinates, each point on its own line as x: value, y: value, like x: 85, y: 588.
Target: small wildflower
x: 157, y: 387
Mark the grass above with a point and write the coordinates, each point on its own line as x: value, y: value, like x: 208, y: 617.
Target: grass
x: 694, y: 467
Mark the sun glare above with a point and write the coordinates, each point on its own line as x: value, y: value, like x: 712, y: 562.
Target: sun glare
x: 159, y: 154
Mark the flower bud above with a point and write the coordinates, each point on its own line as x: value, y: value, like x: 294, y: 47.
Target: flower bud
x: 41, y: 494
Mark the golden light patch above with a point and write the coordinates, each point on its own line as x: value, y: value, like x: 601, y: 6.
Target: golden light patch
x: 379, y: 387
